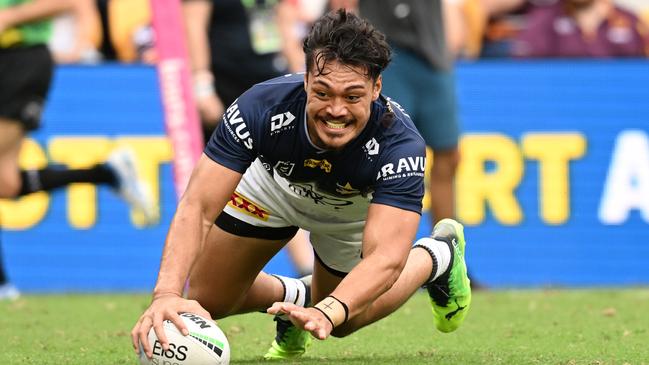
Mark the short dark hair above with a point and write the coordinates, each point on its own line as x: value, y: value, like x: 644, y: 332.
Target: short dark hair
x: 343, y: 36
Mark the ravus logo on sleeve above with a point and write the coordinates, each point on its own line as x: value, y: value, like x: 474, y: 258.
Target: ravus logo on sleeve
x: 235, y: 120
x: 405, y: 167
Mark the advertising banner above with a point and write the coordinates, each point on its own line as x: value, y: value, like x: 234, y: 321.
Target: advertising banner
x: 553, y: 186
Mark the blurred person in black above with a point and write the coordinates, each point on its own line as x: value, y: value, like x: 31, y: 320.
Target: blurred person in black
x: 234, y: 44
x: 26, y: 68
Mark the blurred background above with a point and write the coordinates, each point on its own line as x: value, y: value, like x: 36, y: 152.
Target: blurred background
x: 552, y: 184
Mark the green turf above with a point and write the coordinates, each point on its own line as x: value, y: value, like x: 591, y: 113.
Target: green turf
x: 504, y: 327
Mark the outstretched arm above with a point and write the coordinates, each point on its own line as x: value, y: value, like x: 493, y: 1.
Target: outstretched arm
x: 387, y: 239
x: 32, y: 11
x: 209, y: 189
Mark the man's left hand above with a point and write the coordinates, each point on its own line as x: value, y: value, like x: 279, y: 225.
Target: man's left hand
x: 309, y: 319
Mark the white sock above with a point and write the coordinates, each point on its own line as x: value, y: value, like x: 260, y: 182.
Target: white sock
x: 294, y: 290
x: 441, y: 253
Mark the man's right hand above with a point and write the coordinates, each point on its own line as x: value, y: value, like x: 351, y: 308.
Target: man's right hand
x: 163, y: 307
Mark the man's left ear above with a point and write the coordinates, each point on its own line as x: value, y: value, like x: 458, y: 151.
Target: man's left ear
x: 377, y: 87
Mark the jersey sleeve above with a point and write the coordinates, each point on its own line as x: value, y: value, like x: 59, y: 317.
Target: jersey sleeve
x: 400, y: 178
x: 234, y: 142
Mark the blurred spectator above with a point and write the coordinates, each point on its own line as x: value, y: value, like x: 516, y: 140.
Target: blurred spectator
x: 26, y: 68
x: 555, y: 28
x: 421, y: 79
x: 582, y: 28
x: 485, y: 28
x: 128, y: 34
x: 469, y: 22
x: 235, y: 44
x: 635, y: 6
x: 76, y: 35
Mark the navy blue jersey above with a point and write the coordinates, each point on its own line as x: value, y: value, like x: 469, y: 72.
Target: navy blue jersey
x: 384, y: 164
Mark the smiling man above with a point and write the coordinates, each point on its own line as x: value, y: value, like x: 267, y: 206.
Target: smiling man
x: 325, y: 152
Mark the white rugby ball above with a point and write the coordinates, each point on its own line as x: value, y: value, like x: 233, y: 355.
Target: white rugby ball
x: 205, y: 345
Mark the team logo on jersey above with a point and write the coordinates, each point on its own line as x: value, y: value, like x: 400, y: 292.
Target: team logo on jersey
x: 237, y: 126
x: 372, y: 147
x: 307, y: 191
x: 322, y: 164
x: 346, y: 189
x: 244, y: 205
x: 281, y: 121
x: 284, y: 168
x: 405, y: 167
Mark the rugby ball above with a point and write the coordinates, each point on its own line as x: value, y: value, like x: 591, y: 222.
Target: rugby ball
x: 205, y: 345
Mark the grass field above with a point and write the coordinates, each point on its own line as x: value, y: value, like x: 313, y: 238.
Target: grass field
x: 504, y: 327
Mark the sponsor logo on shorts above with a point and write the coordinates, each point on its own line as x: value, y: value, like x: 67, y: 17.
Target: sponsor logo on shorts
x: 405, y: 167
x: 244, y: 205
x: 281, y: 122
x: 237, y: 126
x: 322, y: 164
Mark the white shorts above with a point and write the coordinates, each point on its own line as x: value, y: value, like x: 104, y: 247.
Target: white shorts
x: 336, y: 224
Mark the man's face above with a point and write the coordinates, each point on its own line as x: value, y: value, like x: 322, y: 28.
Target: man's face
x: 338, y: 104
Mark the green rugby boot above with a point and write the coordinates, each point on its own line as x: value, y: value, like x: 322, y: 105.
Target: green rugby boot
x: 290, y: 342
x: 450, y: 294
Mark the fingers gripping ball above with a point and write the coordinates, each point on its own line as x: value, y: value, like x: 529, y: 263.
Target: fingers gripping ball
x: 205, y: 345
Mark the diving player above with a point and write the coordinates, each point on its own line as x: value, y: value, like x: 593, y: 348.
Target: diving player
x: 325, y: 152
